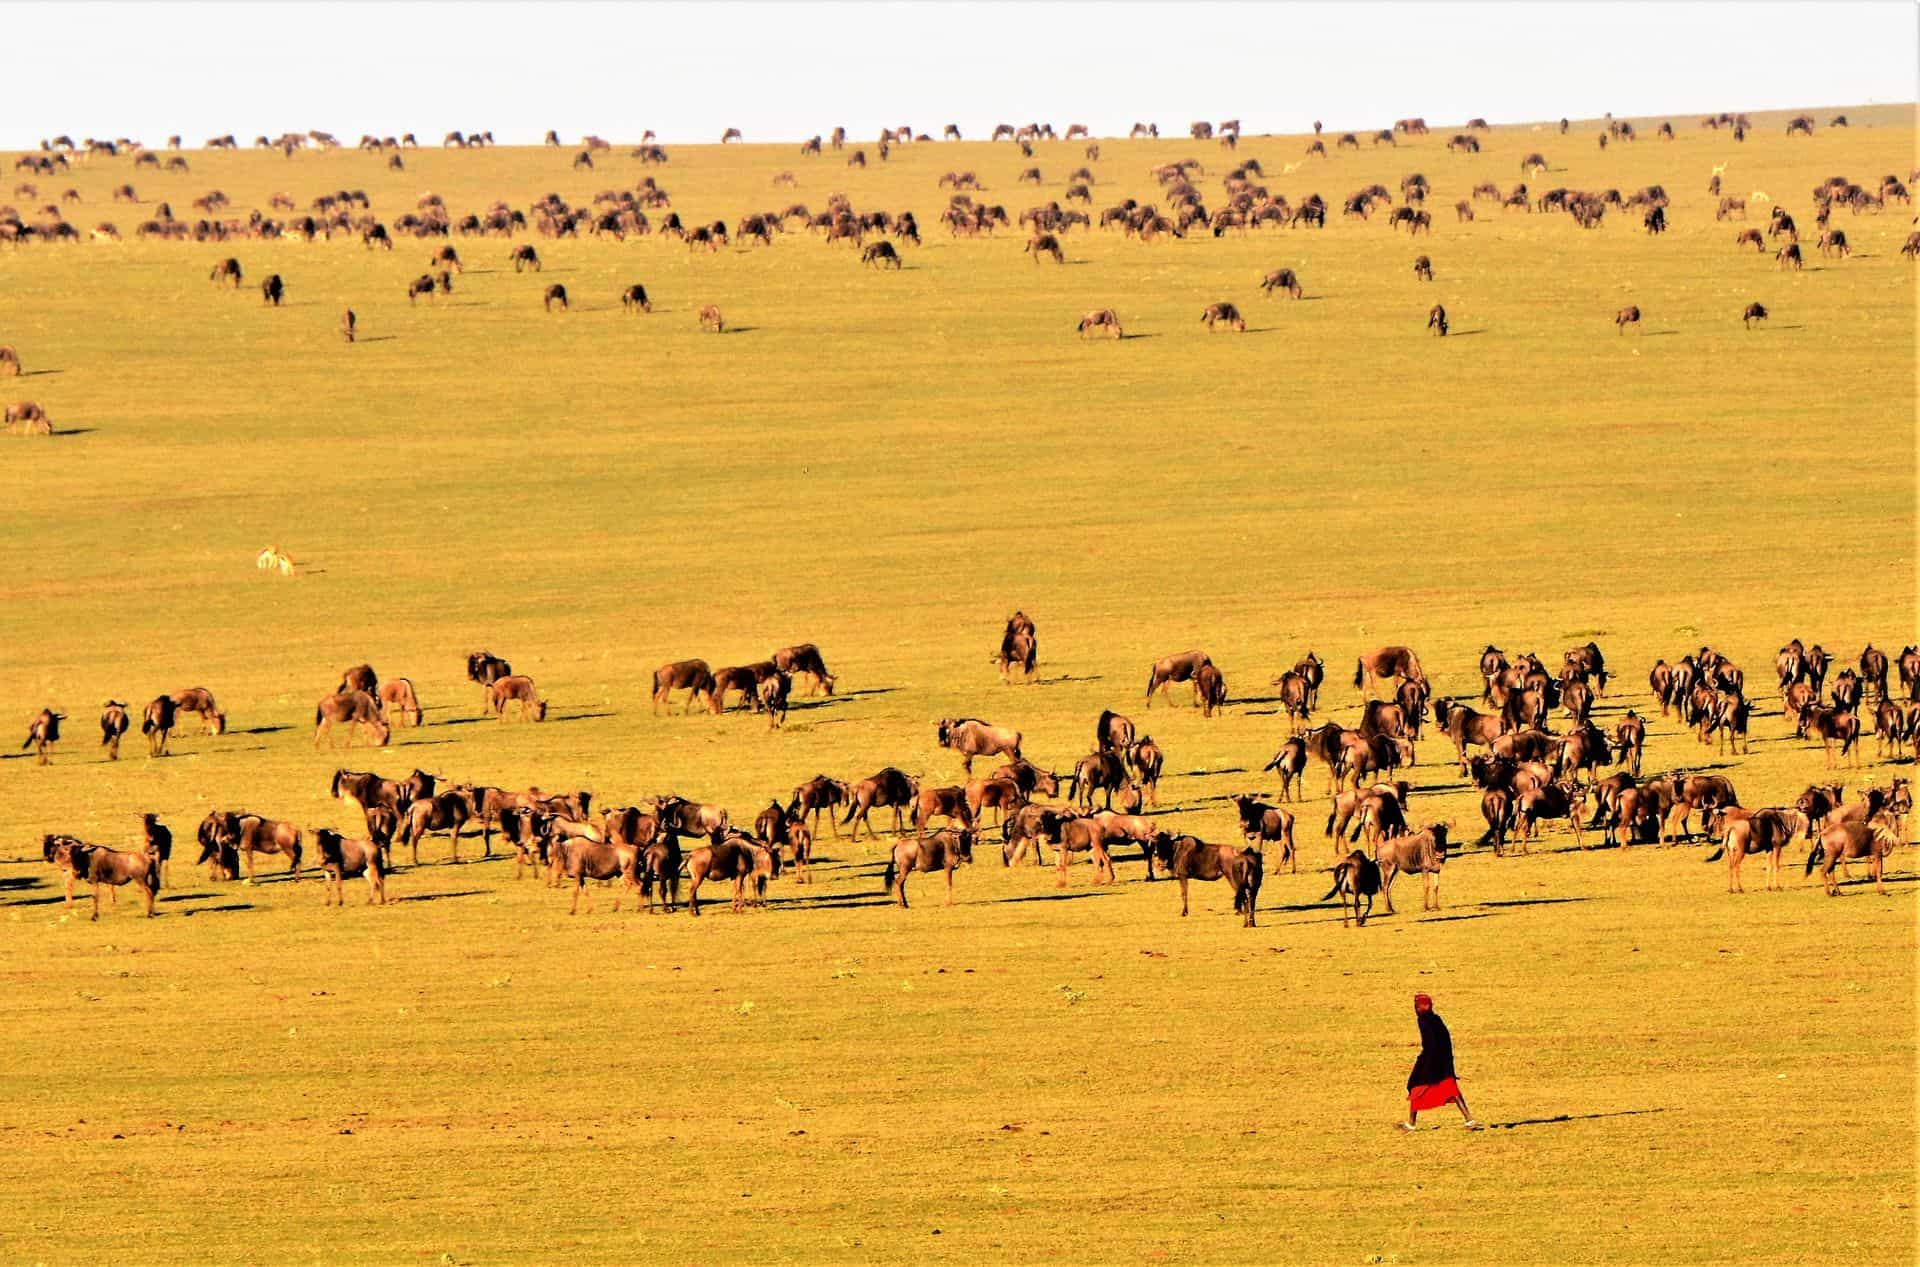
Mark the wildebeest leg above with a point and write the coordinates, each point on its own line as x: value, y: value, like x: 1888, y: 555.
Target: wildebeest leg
x: 1061, y: 858
x: 693, y: 894
x: 96, y: 900
x: 1387, y: 875
x: 1183, y: 895
x: 950, y: 863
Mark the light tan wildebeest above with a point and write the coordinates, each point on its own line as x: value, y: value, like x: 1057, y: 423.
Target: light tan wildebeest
x: 516, y: 688
x: 352, y: 709
x: 1100, y: 321
x: 735, y: 857
x: 198, y: 699
x: 1385, y: 662
x: 1167, y: 670
x: 942, y: 851
x: 1424, y: 852
x: 243, y: 835
x: 971, y: 737
x: 397, y: 698
x: 1842, y: 843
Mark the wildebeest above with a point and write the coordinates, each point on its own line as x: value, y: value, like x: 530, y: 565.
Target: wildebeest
x: 889, y: 789
x: 1354, y: 877
x: 804, y: 660
x: 1788, y: 256
x: 710, y: 319
x: 744, y: 678
x: 1211, y: 688
x: 29, y: 418
x: 226, y: 836
x: 1423, y: 269
x: 1385, y: 662
x: 1113, y: 732
x: 1841, y: 843
x: 352, y: 709
x: 815, y: 795
x: 1019, y: 648
x: 1146, y: 761
x: 1104, y: 772
x: 1629, y: 740
x: 580, y: 859
x: 421, y: 285
x: 100, y: 866
x: 157, y: 724
x: 1655, y: 221
x: 692, y: 676
x: 1627, y: 316
x: 1184, y: 667
x: 1189, y: 858
x: 516, y: 688
x: 1437, y: 320
x: 555, y: 294
x: 971, y: 737
x: 1224, y: 313
x: 340, y: 859
x: 1045, y: 244
x: 198, y: 699
x: 1465, y: 726
x: 1424, y: 852
x: 772, y: 695
x: 273, y: 290
x: 730, y: 856
x: 398, y: 700
x: 524, y: 257
x: 880, y: 255
x: 1761, y: 831
x: 113, y: 724
x: 1281, y: 279
x: 1100, y: 321
x: 1291, y: 764
x: 227, y: 271
x: 634, y: 299
x: 1755, y: 311
x: 942, y: 851
x: 349, y: 324
x: 1260, y: 823
x: 43, y: 731
x: 1834, y: 726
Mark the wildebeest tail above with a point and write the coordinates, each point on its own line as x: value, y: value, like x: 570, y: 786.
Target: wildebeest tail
x: 1359, y: 671
x: 1339, y: 874
x: 1814, y: 855
x: 1717, y: 854
x: 886, y: 880
x: 1331, y: 815
x: 1152, y: 678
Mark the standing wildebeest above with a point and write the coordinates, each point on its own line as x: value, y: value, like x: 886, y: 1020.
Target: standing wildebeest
x: 1211, y: 687
x: 1146, y: 760
x: 736, y: 857
x: 1167, y: 670
x: 1763, y: 831
x: 240, y: 836
x: 1629, y: 739
x: 691, y: 675
x: 348, y: 325
x: 1424, y: 852
x: 228, y: 271
x: 43, y: 730
x: 1098, y: 772
x: 889, y: 789
x: 113, y: 724
x: 1354, y: 877
x: 1385, y: 662
x: 421, y: 285
x: 1465, y: 726
x: 360, y: 677
x: 1845, y: 842
x: 1100, y: 321
x: 710, y: 319
x: 1873, y: 670
x: 1834, y: 242
x: 971, y: 737
x: 273, y: 290
x: 1294, y: 698
x: 1755, y: 311
x: 1281, y: 279
x: 942, y: 851
x: 772, y: 694
x: 351, y: 709
x: 1656, y: 220
x: 340, y: 859
x: 1113, y: 733
x: 198, y: 699
x: 634, y: 298
x: 581, y: 859
x: 99, y: 865
x: 485, y: 669
x: 517, y: 688
x: 1019, y: 647
x: 398, y: 693
x: 803, y: 659
x: 556, y: 294
x: 1627, y: 316
x: 1423, y: 269
x: 1188, y: 858
x: 157, y: 725
x: 1831, y: 726
x: 1788, y: 256
x: 1291, y: 764
x: 1045, y: 244
x: 524, y: 257
x: 1437, y: 320
x: 880, y: 255
x: 1224, y: 313
x: 1260, y: 822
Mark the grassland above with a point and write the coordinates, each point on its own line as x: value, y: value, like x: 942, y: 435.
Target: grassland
x: 888, y: 464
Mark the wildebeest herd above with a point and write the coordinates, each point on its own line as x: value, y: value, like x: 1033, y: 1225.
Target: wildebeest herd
x: 1244, y: 203
x: 1526, y: 739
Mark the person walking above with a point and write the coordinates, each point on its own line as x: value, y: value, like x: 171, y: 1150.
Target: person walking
x: 1431, y: 1085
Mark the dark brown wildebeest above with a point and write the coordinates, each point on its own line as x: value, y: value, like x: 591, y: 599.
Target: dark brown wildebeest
x: 1873, y: 670
x: 351, y: 709
x: 273, y: 290
x: 1029, y: 827
x: 1291, y: 764
x: 1755, y: 311
x: 348, y: 325
x: 1788, y: 256
x: 710, y: 319
x: 9, y: 361
x: 1423, y: 852
x: 1532, y: 744
x: 1100, y: 321
x: 679, y: 816
x: 1762, y: 831
x: 693, y: 676
x: 555, y: 294
x: 1848, y: 691
x: 744, y: 678
x: 889, y: 789
x: 1113, y: 732
x: 524, y: 257
x: 804, y: 660
x: 1437, y: 320
x: 1045, y: 244
x: 113, y: 724
x: 1845, y: 842
x: 1294, y: 699
x: 1655, y: 221
x: 341, y: 859
x: 398, y: 700
x: 1834, y: 726
x: 1167, y: 670
x: 369, y: 791
x: 227, y: 271
x: 446, y: 811
x: 1189, y: 858
x: 1260, y: 823
x: 69, y: 855
x: 1890, y: 727
x: 486, y: 669
x: 1354, y: 877
x: 971, y: 737
x: 360, y: 677
x: 1465, y: 726
x: 1750, y: 237
x: 1911, y: 247
x: 1097, y: 772
x: 1224, y: 313
x: 43, y: 730
x: 227, y: 836
x: 1211, y: 687
x: 1363, y: 756
x: 1834, y: 242
x: 1385, y: 662
x: 157, y: 725
x: 1327, y: 745
x: 1553, y: 800
x: 1629, y: 741
x: 817, y: 794
x: 421, y: 285
x: 880, y: 255
x: 732, y: 856
x: 1281, y: 279
x: 1690, y: 792
x: 1314, y: 670
x: 1627, y: 316
x: 1423, y: 269
x: 198, y: 699
x: 1146, y: 760
x: 772, y: 696
x: 634, y: 299
x: 942, y: 851
x: 1019, y: 647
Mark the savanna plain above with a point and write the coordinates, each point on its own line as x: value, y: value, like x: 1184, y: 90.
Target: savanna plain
x: 888, y: 464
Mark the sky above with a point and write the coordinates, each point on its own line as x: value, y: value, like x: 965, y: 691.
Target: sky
x: 782, y: 72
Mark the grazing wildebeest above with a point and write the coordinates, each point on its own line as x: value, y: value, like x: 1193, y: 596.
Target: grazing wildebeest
x: 1100, y: 321
x: 1385, y: 662
x: 273, y: 290
x: 1354, y: 877
x: 113, y: 724
x: 880, y: 255
x: 1281, y: 279
x: 691, y: 675
x: 240, y: 836
x: 1424, y: 852
x: 1845, y: 842
x: 1437, y: 320
x: 517, y: 688
x: 198, y: 699
x: 1045, y: 244
x: 817, y: 794
x: 1291, y: 764
x: 890, y: 789
x: 1755, y: 311
x: 1627, y: 316
x: 971, y: 737
x: 1788, y: 256
x: 524, y: 257
x: 1761, y: 831
x: 351, y: 709
x: 29, y: 418
x: 228, y: 271
x: 1211, y: 687
x: 744, y: 678
x: 398, y: 700
x: 1019, y: 647
x: 942, y: 851
x: 772, y: 695
x: 340, y: 859
x: 555, y: 294
x: 804, y: 660
x: 1423, y: 269
x: 1224, y: 313
x: 1552, y: 800
x: 1189, y: 858
x: 421, y: 285
x: 1260, y: 822
x: 710, y: 319
x: 1167, y: 670
x: 43, y: 730
x: 634, y: 298
x: 1655, y: 221
x: 1097, y: 772
x: 1465, y: 726
x: 1750, y: 237
x: 731, y: 856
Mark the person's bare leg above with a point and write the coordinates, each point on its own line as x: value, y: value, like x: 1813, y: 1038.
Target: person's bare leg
x: 1466, y: 1117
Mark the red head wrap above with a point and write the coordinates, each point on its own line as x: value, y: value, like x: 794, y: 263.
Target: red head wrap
x: 1422, y: 1003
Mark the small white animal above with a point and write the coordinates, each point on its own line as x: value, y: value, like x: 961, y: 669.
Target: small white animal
x: 271, y: 559
x: 1759, y: 195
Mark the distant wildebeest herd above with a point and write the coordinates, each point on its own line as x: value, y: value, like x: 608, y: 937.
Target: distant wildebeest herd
x: 1528, y: 774
x: 1245, y: 203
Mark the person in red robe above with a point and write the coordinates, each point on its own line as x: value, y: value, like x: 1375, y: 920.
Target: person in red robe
x: 1431, y: 1085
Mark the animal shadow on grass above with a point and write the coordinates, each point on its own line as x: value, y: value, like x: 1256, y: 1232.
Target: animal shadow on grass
x: 1568, y: 1117
x: 215, y: 910
x: 871, y: 690
x: 1139, y: 336
x: 579, y: 717
x: 740, y: 329
x: 1464, y: 334
x: 435, y: 897
x: 13, y: 882
x: 72, y: 431
x: 1536, y: 901
x: 832, y: 903
x: 263, y: 730
x: 1658, y: 334
x: 38, y: 373
x: 376, y: 338
x: 1052, y: 897
x: 1067, y: 677
x: 1448, y: 919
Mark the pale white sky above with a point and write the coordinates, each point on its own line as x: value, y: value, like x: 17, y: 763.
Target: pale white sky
x: 785, y: 71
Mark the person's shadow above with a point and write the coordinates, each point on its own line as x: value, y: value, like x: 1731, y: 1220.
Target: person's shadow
x: 1568, y: 1117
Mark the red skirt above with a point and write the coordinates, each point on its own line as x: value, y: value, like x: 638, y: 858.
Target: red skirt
x: 1437, y: 1096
